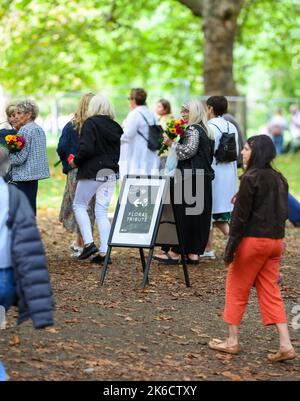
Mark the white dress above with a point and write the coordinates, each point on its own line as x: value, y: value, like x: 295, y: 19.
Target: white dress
x: 135, y: 157
x: 225, y: 184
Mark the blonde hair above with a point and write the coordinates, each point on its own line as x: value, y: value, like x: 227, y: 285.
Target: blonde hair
x: 100, y: 105
x: 11, y: 109
x: 81, y: 113
x: 197, y: 115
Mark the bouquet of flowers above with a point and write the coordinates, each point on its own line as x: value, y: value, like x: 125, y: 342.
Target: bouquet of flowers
x: 14, y: 143
x: 175, y: 131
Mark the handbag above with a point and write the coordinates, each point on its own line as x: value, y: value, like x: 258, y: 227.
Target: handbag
x: 155, y: 135
x: 171, y: 163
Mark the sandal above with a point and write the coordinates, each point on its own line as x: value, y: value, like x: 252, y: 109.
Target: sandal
x: 218, y: 345
x: 282, y: 356
x: 189, y: 261
x: 168, y: 260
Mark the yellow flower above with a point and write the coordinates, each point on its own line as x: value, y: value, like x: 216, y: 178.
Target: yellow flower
x: 172, y: 130
x: 8, y: 138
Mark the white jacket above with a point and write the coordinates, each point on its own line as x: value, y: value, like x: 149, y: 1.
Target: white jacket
x: 225, y: 184
x: 135, y: 157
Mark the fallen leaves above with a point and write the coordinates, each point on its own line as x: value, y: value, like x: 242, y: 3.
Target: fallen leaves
x: 15, y: 341
x: 121, y: 332
x: 231, y: 376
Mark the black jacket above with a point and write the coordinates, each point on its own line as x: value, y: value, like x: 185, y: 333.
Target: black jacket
x: 29, y: 263
x: 68, y: 144
x: 204, y: 156
x: 260, y: 209
x: 99, y: 147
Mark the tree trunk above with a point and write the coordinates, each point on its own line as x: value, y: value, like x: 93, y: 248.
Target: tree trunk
x: 219, y: 27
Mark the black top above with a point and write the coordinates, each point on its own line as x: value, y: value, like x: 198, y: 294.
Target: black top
x: 204, y: 156
x: 260, y: 209
x: 68, y: 144
x: 99, y: 147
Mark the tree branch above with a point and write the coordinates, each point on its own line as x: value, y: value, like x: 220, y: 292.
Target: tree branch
x: 248, y: 7
x: 196, y: 6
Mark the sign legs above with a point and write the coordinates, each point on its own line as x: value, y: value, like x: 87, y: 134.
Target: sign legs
x: 105, y: 266
x: 147, y: 268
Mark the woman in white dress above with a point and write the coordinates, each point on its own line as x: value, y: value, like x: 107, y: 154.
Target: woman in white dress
x: 135, y: 157
x: 225, y: 184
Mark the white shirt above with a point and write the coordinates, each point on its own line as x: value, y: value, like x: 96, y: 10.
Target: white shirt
x: 295, y: 130
x: 5, y: 233
x: 135, y: 157
x: 278, y: 122
x: 225, y: 184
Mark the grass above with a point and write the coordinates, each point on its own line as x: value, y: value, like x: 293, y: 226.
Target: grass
x: 51, y: 190
x: 289, y: 166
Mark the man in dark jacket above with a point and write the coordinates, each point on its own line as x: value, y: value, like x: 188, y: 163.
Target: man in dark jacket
x: 23, y: 265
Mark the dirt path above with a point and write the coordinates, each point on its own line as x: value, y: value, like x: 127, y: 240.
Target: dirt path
x: 120, y: 332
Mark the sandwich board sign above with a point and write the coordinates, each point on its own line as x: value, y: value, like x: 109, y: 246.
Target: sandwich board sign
x: 141, y: 218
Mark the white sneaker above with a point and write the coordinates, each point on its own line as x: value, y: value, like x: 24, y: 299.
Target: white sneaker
x: 75, y: 254
x: 208, y: 255
x: 75, y: 247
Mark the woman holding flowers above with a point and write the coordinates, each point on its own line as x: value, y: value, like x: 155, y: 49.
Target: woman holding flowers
x: 195, y: 153
x: 29, y: 164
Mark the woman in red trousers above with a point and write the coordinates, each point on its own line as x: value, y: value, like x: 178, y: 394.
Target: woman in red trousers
x: 255, y: 247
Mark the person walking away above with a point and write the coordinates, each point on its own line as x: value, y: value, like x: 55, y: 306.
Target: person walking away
x: 98, y: 172
x: 69, y: 144
x: 136, y: 158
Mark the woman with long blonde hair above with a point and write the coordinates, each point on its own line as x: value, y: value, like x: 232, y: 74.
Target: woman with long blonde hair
x: 69, y: 144
x: 192, y: 190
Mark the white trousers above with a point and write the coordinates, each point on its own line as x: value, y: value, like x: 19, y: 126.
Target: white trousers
x: 85, y: 190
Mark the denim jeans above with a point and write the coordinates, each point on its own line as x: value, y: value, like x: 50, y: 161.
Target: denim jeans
x: 85, y: 190
x: 7, y: 287
x: 278, y: 142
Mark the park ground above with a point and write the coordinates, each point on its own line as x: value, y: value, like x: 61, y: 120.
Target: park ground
x: 122, y: 332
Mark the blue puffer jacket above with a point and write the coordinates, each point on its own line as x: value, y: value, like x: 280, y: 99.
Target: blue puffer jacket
x: 32, y: 280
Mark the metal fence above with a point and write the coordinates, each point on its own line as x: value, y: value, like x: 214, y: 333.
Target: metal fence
x: 252, y: 114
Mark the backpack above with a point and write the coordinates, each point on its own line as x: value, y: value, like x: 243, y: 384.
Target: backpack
x: 155, y: 135
x: 227, y: 151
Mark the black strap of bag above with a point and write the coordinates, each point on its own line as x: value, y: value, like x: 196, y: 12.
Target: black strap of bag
x: 227, y: 149
x: 155, y: 133
x: 219, y: 128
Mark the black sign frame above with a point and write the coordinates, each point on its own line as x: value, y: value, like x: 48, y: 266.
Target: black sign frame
x: 150, y: 245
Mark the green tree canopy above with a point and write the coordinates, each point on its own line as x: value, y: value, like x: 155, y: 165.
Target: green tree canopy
x: 68, y: 45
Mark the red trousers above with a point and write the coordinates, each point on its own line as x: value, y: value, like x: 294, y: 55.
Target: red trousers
x: 256, y: 262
